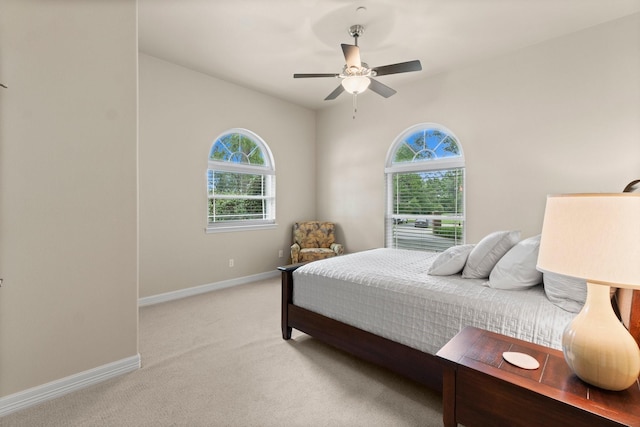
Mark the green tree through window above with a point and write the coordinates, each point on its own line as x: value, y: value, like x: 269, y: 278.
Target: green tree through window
x: 425, y: 190
x: 237, y: 148
x: 240, y: 181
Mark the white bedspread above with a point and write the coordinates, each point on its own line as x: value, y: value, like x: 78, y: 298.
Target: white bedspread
x: 389, y: 293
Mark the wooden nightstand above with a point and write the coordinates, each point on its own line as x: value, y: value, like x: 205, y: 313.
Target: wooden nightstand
x: 480, y: 388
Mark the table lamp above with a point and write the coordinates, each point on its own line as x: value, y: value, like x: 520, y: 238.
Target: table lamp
x: 596, y: 237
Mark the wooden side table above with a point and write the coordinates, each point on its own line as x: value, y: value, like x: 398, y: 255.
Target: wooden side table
x: 480, y: 388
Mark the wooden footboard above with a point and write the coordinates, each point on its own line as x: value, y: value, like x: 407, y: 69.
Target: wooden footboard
x: 421, y: 367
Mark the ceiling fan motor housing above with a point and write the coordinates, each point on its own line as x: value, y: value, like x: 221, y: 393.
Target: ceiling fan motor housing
x: 364, y: 70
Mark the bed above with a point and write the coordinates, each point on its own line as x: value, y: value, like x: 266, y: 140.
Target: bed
x: 383, y: 306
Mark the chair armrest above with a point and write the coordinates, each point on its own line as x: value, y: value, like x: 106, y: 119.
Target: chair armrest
x: 295, y: 252
x: 337, y: 248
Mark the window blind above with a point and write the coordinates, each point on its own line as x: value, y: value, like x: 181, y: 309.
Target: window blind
x: 240, y: 197
x: 425, y: 209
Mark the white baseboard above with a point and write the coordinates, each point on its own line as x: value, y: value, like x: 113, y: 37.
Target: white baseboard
x: 196, y: 290
x: 44, y: 392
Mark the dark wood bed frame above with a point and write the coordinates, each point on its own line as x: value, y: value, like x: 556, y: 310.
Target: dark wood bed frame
x: 424, y: 368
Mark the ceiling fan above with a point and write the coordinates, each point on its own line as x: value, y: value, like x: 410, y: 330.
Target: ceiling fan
x: 357, y: 76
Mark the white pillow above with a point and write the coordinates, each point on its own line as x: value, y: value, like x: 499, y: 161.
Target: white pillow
x: 517, y: 268
x: 451, y: 261
x: 488, y: 252
x: 568, y: 293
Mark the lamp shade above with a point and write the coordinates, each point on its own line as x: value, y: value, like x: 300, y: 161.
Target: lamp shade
x: 595, y: 237
x: 355, y: 84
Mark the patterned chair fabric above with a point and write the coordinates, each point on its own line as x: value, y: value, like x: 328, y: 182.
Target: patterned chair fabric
x: 313, y: 240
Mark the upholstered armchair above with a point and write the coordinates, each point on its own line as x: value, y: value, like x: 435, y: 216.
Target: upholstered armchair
x: 313, y: 240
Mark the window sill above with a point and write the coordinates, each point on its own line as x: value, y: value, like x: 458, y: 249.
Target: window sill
x: 235, y: 228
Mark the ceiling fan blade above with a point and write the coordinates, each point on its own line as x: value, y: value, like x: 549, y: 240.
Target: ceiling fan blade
x: 333, y: 95
x: 351, y: 55
x: 381, y: 89
x: 303, y: 76
x: 402, y: 67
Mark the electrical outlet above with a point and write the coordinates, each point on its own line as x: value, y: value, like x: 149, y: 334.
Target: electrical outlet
x: 230, y: 262
x: 280, y: 253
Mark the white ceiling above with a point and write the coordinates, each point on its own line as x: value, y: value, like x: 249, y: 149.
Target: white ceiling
x: 259, y: 44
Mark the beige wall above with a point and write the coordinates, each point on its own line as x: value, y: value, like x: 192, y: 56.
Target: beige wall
x: 68, y: 214
x: 181, y: 114
x: 561, y: 116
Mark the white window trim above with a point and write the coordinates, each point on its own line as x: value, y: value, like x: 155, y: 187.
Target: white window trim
x: 268, y: 170
x: 434, y: 165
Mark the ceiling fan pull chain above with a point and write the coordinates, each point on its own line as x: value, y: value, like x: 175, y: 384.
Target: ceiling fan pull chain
x: 355, y: 105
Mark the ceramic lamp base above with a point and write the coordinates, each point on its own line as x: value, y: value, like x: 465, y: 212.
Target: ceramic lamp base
x: 597, y: 347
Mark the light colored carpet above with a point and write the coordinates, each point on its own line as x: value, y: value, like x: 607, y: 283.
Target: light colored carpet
x: 218, y: 359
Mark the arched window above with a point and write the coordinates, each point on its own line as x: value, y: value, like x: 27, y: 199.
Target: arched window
x: 425, y: 190
x: 241, y: 182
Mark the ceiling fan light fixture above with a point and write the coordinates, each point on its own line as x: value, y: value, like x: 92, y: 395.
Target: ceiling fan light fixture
x: 355, y: 84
